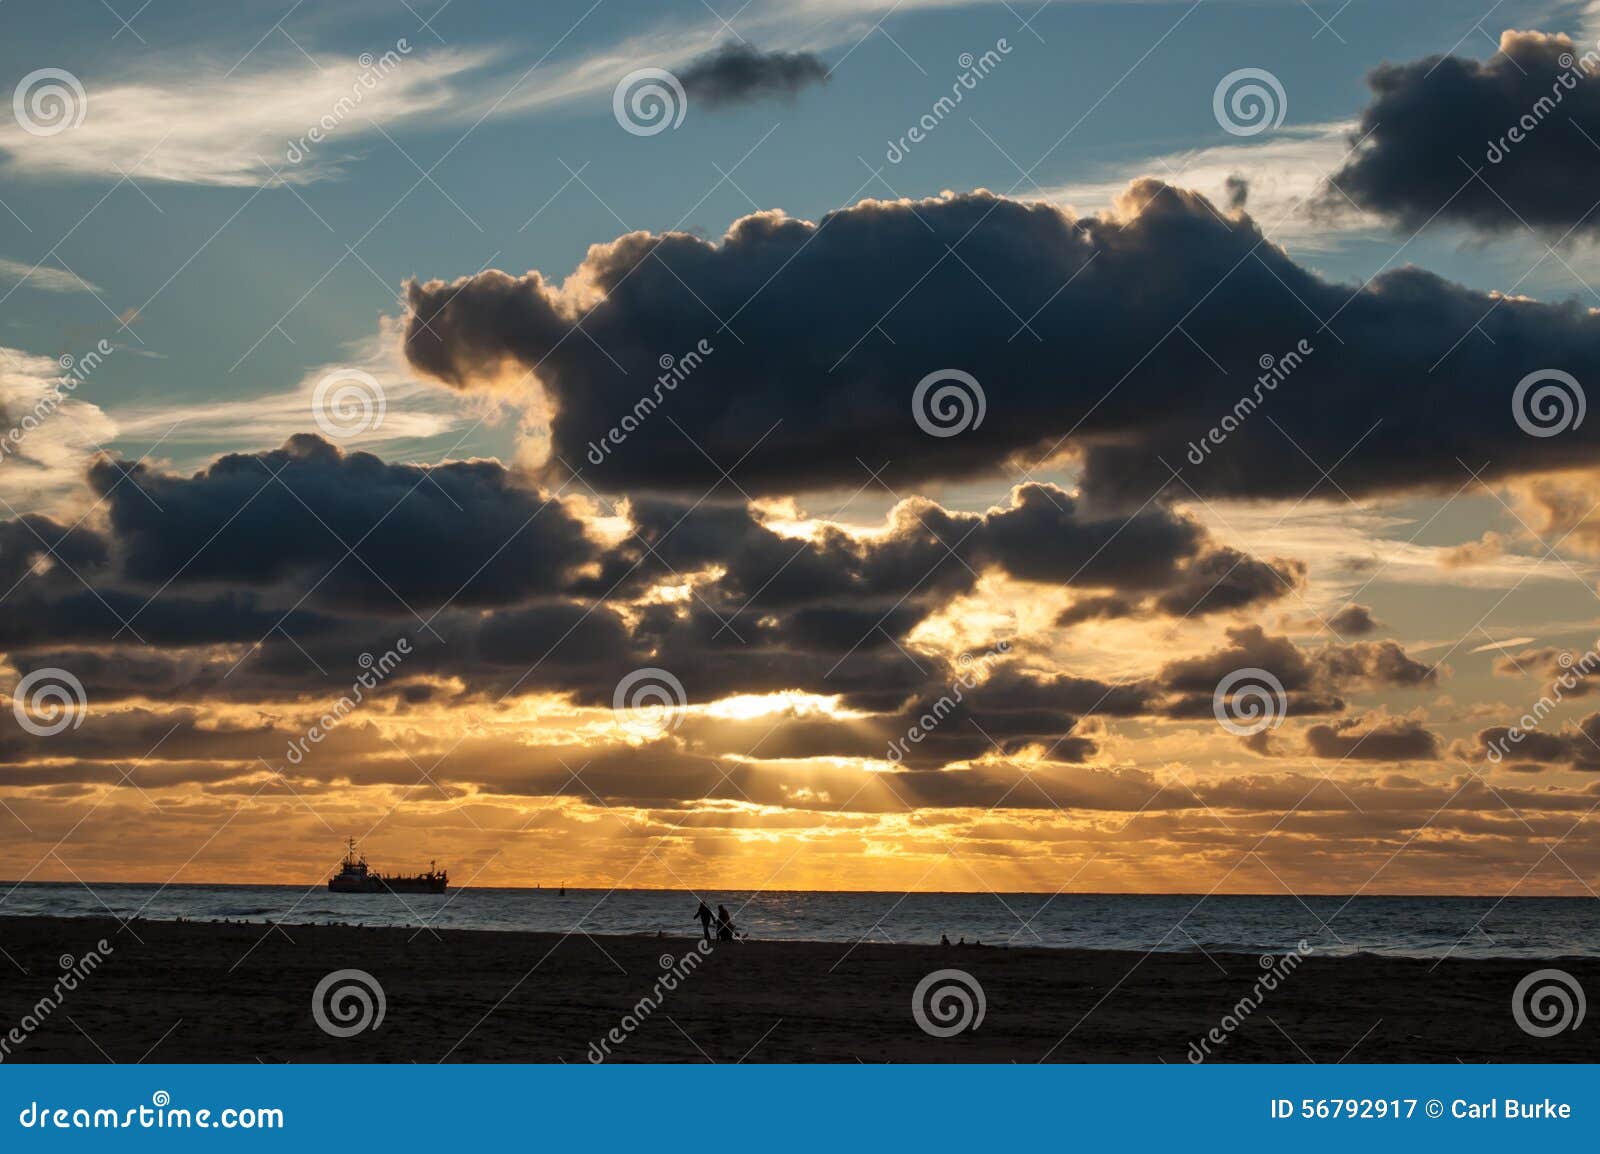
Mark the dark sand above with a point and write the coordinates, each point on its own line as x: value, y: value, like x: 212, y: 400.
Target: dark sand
x: 173, y: 992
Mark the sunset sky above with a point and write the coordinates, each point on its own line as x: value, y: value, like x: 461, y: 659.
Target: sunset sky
x: 927, y: 416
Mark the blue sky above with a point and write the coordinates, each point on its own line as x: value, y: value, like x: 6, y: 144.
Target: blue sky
x: 1097, y: 91
x: 231, y: 263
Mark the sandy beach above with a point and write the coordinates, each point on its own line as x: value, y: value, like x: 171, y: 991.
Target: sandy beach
x: 177, y: 992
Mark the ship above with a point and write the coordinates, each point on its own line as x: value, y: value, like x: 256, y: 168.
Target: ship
x: 354, y: 877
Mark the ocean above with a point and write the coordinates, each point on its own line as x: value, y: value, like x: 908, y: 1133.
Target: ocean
x: 1476, y: 927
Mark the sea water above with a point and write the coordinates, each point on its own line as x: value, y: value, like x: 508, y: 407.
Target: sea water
x: 1412, y: 926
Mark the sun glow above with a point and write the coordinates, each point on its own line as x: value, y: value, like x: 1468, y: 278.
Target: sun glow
x: 744, y: 706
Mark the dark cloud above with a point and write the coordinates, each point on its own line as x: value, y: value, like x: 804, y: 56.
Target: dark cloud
x: 1390, y: 740
x: 1228, y: 579
x: 1548, y: 664
x: 1354, y: 620
x: 179, y: 735
x: 101, y: 612
x: 1157, y: 560
x: 737, y: 73
x: 1387, y: 391
x: 1313, y: 680
x: 1527, y: 749
x: 1096, y: 609
x: 33, y: 543
x: 1518, y: 119
x: 351, y: 529
x: 1375, y: 665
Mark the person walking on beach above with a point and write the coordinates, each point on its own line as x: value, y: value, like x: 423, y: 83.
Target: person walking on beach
x: 703, y: 915
x: 724, y: 925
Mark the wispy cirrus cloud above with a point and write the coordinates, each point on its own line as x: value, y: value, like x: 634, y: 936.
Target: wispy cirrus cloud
x: 206, y: 125
x: 412, y: 410
x: 47, y: 433
x: 43, y: 278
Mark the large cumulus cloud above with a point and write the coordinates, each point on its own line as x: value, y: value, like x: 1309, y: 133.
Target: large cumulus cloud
x: 1518, y: 119
x: 264, y: 577
x: 831, y: 325
x: 365, y: 529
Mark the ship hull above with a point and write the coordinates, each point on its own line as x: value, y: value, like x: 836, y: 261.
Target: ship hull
x: 387, y: 885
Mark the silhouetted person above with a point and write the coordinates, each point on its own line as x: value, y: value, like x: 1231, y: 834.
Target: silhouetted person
x: 944, y: 939
x: 703, y: 915
x: 724, y: 925
x: 963, y: 940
